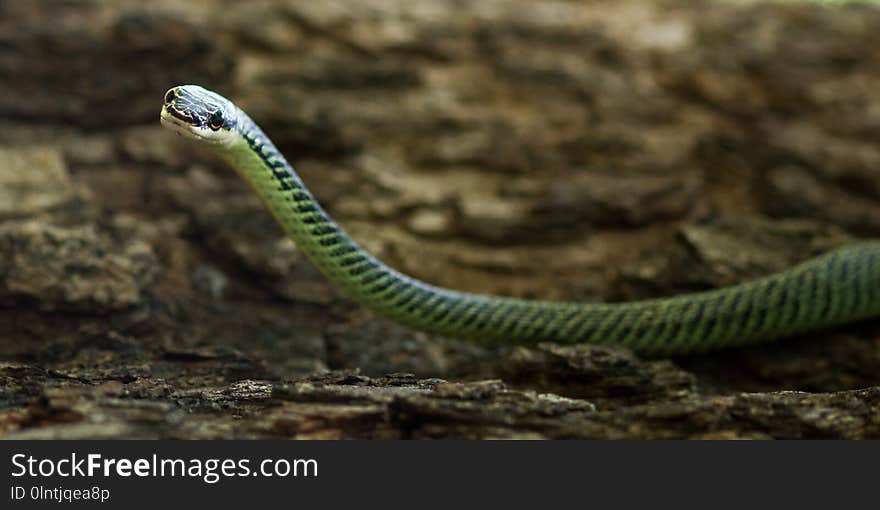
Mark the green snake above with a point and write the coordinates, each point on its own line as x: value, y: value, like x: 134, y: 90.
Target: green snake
x: 838, y: 287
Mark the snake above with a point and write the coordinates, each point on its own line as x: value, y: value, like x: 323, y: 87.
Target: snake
x: 837, y: 287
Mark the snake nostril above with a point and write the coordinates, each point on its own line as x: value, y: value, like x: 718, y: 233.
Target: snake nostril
x: 169, y: 96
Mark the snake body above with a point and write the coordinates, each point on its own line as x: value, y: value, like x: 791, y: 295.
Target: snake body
x: 838, y: 287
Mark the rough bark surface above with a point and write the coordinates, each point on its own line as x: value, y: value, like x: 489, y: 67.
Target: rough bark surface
x: 602, y: 150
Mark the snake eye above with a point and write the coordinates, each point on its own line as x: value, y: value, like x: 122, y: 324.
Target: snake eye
x: 215, y: 121
x: 169, y: 96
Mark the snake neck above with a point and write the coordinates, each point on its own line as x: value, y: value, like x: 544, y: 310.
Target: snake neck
x: 360, y: 275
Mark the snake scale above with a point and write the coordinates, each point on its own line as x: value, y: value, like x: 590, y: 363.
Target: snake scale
x: 838, y: 287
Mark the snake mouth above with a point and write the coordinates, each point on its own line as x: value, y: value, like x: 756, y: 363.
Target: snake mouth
x: 174, y: 112
x: 181, y: 124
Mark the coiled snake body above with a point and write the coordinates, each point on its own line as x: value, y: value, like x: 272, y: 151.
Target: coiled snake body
x: 840, y: 286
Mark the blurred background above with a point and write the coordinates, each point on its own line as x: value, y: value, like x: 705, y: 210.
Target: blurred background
x: 590, y: 150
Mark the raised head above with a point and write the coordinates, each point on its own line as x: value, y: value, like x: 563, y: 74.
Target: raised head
x: 198, y: 113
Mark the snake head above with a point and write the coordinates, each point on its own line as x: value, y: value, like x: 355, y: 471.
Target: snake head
x: 199, y: 113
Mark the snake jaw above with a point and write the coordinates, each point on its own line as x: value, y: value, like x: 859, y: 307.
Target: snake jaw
x: 182, y: 128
